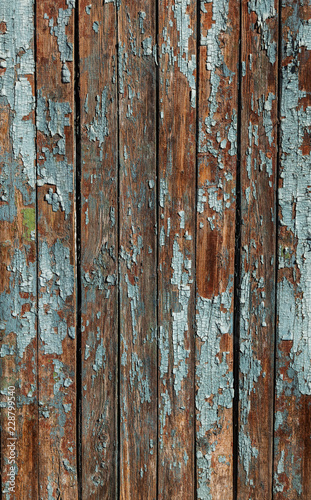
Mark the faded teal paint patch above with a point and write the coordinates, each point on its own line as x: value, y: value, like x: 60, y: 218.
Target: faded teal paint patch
x: 56, y: 280
x: 14, y: 314
x: 58, y: 174
x: 295, y: 192
x: 17, y: 177
x: 98, y: 277
x: 182, y: 280
x: 250, y: 366
x: 52, y: 119
x: 165, y: 411
x: 16, y: 96
x: 215, y: 379
x: 185, y: 60
x: 265, y: 10
x: 139, y: 379
x: 215, y: 61
x: 58, y: 28
x: 98, y: 129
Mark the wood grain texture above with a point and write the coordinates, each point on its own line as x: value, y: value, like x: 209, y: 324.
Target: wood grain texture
x: 138, y: 299
x: 155, y: 229
x: 257, y: 248
x: 56, y: 247
x: 18, y: 284
x: 176, y: 240
x: 217, y: 160
x: 292, y: 478
x: 99, y: 247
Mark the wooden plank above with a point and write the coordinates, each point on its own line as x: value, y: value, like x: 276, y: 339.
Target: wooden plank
x: 257, y: 246
x: 292, y: 478
x: 99, y: 247
x: 18, y: 284
x: 176, y: 241
x: 217, y: 159
x: 138, y: 318
x: 56, y: 247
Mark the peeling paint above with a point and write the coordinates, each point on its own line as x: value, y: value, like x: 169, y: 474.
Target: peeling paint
x: 60, y: 175
x: 186, y: 63
x: 250, y: 368
x: 296, y: 179
x: 16, y: 93
x: 17, y: 174
x: 181, y: 279
x: 56, y: 280
x: 264, y: 10
x: 58, y: 29
x: 15, y: 315
x: 215, y: 57
x: 215, y: 378
x: 98, y: 128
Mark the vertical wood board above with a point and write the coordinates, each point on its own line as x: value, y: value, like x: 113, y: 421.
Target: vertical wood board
x: 176, y: 242
x: 55, y: 76
x: 292, y: 448
x: 18, y: 284
x: 137, y: 249
x: 99, y: 247
x: 259, y: 108
x: 216, y: 211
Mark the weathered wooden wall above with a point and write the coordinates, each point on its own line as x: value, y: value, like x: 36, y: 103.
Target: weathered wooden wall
x: 155, y: 242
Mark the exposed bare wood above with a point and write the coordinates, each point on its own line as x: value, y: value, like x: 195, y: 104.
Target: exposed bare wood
x: 138, y: 299
x: 99, y: 247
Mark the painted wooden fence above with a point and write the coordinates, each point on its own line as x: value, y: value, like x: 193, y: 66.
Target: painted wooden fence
x: 155, y: 249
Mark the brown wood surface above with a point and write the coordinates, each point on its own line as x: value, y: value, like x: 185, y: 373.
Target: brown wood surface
x: 99, y: 247
x: 259, y: 44
x: 176, y: 240
x: 292, y: 443
x: 216, y: 209
x: 18, y: 350
x: 137, y: 245
x: 56, y: 249
x: 155, y: 297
